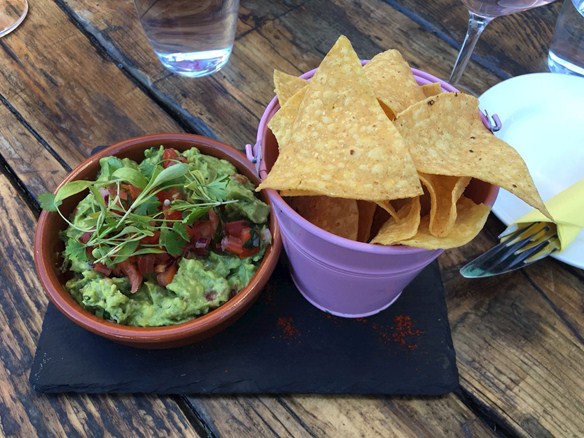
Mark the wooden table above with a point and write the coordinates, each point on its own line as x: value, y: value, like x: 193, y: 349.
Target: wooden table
x: 80, y: 73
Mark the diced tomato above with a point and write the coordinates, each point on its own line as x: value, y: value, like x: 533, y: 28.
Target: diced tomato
x: 248, y: 252
x: 162, y: 260
x: 170, y: 156
x: 245, y: 236
x: 146, y: 263
x: 151, y: 240
x: 170, y: 194
x: 214, y: 219
x: 85, y: 237
x: 172, y: 215
x: 232, y: 244
x: 200, y: 230
x: 102, y: 269
x: 130, y: 271
x: 236, y: 227
x: 132, y: 190
x: 164, y: 278
x: 238, y: 239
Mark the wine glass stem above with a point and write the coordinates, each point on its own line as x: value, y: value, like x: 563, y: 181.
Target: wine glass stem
x: 476, y: 25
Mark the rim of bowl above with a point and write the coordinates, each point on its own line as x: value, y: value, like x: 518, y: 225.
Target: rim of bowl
x: 422, y: 78
x: 148, y: 335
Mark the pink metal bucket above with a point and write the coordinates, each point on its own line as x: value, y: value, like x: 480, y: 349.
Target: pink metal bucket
x: 340, y: 276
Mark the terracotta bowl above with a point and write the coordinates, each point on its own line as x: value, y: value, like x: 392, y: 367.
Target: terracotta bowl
x: 48, y: 247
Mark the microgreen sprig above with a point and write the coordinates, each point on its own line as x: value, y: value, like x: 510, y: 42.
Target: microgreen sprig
x: 117, y: 228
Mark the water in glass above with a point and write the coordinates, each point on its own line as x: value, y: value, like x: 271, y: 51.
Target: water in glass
x: 566, y: 54
x: 191, y: 38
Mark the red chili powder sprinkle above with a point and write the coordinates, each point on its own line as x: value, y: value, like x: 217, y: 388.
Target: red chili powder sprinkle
x: 403, y: 330
x: 287, y: 325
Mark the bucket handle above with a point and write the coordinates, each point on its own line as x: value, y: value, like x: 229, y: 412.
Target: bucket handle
x: 492, y: 123
x: 254, y: 154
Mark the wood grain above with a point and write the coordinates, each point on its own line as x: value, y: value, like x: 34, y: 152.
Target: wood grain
x: 340, y: 416
x: 26, y: 413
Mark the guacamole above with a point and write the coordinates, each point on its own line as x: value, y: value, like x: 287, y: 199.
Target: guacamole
x: 163, y: 241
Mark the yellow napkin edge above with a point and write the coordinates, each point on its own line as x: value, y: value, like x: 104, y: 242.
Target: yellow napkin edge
x: 567, y: 209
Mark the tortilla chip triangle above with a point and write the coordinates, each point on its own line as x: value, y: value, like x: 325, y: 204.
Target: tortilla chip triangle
x: 446, y: 136
x: 286, y: 86
x: 393, y: 82
x: 343, y: 144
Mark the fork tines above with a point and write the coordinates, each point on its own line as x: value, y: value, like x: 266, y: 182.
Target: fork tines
x: 520, y: 246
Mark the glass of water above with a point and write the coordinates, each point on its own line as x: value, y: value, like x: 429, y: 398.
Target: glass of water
x: 191, y: 38
x: 566, y: 54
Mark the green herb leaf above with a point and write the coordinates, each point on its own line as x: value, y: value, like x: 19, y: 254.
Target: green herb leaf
x: 75, y: 250
x: 126, y: 250
x: 172, y: 241
x: 133, y: 176
x: 49, y: 202
x: 217, y: 189
x: 72, y: 188
x: 108, y: 165
x: 195, y: 214
x: 148, y: 207
x: 172, y: 172
x: 148, y: 250
x: 181, y: 230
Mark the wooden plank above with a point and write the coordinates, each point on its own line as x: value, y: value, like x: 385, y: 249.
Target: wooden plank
x: 518, y: 339
x: 68, y: 91
x: 37, y: 169
x: 339, y: 416
x: 27, y: 413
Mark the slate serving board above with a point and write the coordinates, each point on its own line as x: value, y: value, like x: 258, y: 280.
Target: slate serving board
x: 283, y: 345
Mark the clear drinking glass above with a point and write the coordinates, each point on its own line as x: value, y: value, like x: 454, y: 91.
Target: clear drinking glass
x: 12, y: 13
x: 190, y: 37
x: 566, y: 54
x: 480, y: 14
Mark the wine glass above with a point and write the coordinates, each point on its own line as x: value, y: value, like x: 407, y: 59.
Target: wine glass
x: 12, y: 13
x: 480, y: 14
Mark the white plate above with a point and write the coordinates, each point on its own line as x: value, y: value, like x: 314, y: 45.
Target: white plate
x: 543, y: 119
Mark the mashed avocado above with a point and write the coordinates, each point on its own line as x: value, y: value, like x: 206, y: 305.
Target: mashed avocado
x: 189, y: 270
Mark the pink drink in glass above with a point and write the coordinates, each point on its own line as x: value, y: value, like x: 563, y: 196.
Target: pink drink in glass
x: 497, y: 8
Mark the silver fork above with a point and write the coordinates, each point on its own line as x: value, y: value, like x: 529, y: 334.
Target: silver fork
x: 521, y: 245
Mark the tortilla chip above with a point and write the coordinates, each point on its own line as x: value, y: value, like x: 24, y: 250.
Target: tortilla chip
x: 389, y: 208
x: 341, y: 143
x: 432, y: 89
x: 292, y: 193
x: 335, y: 215
x: 470, y: 220
x: 366, y: 212
x: 286, y: 86
x: 445, y: 136
x: 392, y: 81
x: 395, y: 231
x: 444, y: 193
x: 282, y: 122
